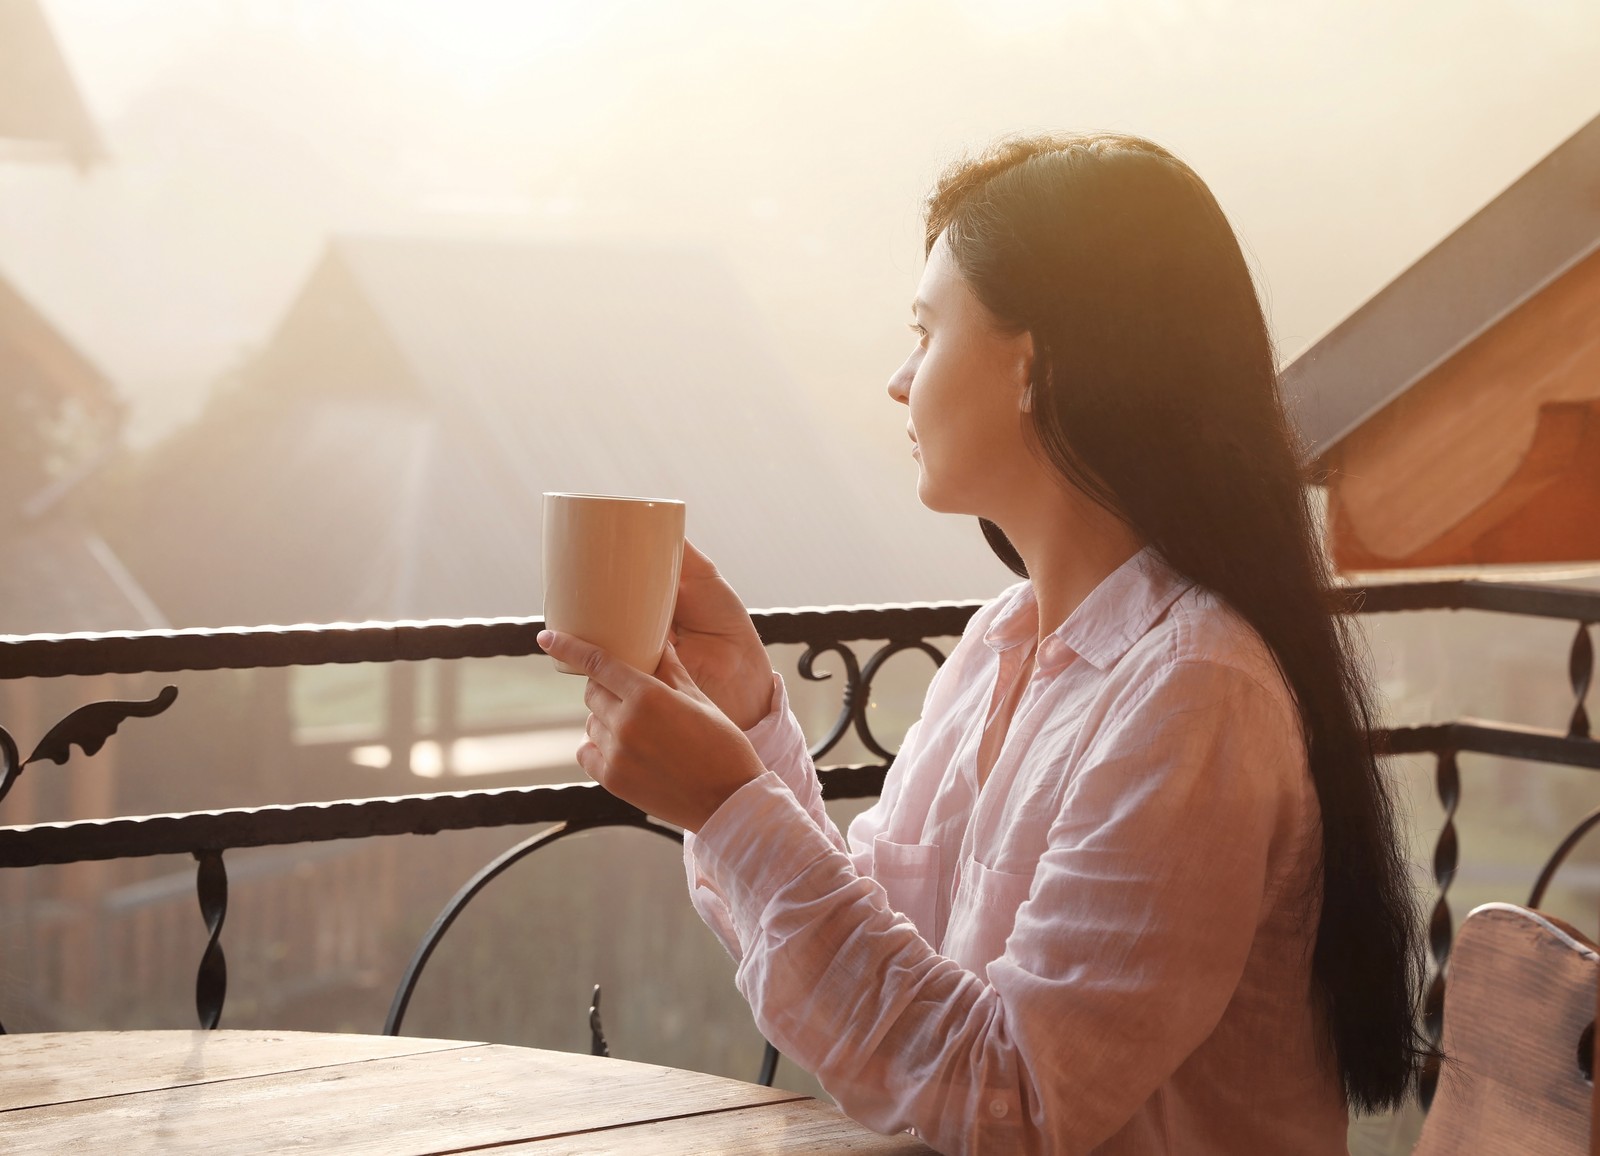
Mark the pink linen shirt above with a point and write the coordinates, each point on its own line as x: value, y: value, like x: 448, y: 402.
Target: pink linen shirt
x: 1106, y: 948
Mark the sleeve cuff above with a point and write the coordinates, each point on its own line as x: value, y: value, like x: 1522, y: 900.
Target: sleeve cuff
x: 756, y: 843
x: 774, y: 735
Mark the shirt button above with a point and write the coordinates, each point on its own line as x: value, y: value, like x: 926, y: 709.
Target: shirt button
x: 997, y: 1108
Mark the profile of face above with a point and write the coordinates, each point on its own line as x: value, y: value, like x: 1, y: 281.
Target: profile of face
x: 966, y: 387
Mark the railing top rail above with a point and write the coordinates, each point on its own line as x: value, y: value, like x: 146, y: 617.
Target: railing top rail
x: 246, y: 647
x: 1526, y: 598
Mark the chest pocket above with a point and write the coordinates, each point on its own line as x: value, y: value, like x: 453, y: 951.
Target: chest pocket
x: 983, y: 913
x: 909, y: 872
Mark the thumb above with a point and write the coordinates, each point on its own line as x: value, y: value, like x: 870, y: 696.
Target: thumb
x: 695, y: 563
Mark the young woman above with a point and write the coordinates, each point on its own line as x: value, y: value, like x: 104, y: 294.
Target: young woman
x: 1133, y: 884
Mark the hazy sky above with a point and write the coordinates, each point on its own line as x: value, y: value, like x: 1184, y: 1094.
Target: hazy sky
x: 1344, y: 139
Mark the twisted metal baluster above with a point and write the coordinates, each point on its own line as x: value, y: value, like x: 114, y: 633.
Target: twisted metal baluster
x: 1580, y: 672
x: 211, y: 982
x: 1441, y: 928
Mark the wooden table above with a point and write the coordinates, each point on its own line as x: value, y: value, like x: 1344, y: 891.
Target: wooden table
x: 83, y: 1093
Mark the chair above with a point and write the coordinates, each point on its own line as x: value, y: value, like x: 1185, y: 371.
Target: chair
x: 1518, y: 1073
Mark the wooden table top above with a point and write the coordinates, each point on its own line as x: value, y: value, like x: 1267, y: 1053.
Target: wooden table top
x: 305, y: 1092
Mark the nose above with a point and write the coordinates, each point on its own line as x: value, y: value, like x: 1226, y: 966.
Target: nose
x: 900, y: 381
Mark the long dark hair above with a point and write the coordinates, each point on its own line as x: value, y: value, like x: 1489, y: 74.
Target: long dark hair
x: 1155, y: 393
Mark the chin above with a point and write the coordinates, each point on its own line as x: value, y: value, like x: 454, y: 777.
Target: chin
x: 939, y: 503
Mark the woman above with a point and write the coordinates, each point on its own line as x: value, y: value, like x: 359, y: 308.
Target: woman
x: 1133, y: 883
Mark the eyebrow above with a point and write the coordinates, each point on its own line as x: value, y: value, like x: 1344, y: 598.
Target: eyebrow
x: 919, y: 306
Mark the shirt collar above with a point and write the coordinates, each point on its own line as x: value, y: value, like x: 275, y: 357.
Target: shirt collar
x: 1104, y: 627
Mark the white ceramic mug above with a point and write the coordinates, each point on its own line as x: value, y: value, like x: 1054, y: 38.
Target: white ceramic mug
x: 611, y: 568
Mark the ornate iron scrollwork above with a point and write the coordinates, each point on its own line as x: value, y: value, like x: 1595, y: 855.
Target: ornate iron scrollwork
x: 88, y: 728
x: 1559, y: 856
x: 856, y: 695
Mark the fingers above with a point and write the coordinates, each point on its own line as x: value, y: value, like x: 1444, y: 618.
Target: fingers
x: 599, y: 700
x: 591, y: 761
x: 595, y: 752
x: 598, y: 735
x: 617, y: 677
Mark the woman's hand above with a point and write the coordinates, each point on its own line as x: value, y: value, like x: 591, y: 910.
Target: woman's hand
x: 658, y: 743
x: 718, y: 645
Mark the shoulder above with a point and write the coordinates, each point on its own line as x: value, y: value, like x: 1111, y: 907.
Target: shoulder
x: 1201, y: 638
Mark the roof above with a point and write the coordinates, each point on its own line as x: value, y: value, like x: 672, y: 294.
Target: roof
x: 387, y: 454
x: 25, y: 332
x: 60, y: 577
x: 39, y: 103
x: 1513, y: 247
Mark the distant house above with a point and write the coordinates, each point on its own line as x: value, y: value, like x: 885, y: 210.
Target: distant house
x: 59, y: 416
x: 61, y: 422
x: 384, y: 457
x: 41, y: 112
x: 1457, y: 413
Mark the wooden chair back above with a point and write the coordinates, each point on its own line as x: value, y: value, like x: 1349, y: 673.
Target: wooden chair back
x: 1519, y: 1010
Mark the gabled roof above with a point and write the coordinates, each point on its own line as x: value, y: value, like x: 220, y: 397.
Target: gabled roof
x: 58, y: 575
x: 61, y: 577
x: 386, y: 455
x: 39, y: 103
x: 26, y: 332
x: 1542, y: 225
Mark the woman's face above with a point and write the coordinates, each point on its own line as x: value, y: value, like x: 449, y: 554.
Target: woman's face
x: 966, y: 386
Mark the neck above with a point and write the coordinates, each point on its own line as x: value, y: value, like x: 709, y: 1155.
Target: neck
x: 1069, y: 545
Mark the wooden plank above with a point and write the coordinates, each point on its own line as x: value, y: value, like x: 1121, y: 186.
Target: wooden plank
x: 59, y: 1067
x: 792, y: 1129
x: 1520, y: 992
x: 407, y: 1106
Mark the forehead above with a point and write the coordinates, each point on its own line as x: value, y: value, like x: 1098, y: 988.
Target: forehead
x: 941, y: 280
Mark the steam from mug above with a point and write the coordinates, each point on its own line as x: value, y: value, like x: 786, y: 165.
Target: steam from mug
x: 611, y: 567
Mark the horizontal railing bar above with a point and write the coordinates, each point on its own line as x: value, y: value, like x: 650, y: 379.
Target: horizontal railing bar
x: 1476, y: 594
x: 1507, y: 740
x: 130, y: 837
x: 248, y: 647
x: 905, y: 621
x: 241, y: 648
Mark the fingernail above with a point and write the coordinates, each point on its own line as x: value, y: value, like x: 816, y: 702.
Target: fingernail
x: 545, y: 638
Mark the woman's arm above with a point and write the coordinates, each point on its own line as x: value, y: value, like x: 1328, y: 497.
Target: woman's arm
x: 1129, y: 946
x: 781, y: 745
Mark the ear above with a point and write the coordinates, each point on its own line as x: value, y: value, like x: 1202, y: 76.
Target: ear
x: 1024, y: 370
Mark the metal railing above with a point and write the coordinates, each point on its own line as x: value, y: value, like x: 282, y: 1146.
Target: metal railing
x: 888, y: 631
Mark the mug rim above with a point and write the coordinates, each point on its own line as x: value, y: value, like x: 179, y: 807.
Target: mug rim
x: 614, y: 498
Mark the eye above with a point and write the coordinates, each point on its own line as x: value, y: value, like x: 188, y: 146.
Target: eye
x: 919, y: 330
